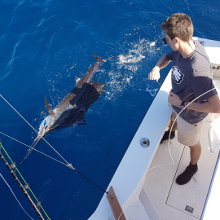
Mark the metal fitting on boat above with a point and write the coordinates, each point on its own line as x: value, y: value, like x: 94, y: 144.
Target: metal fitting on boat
x: 144, y: 142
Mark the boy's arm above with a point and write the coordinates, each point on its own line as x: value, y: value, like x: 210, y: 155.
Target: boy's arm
x: 155, y: 73
x: 212, y: 105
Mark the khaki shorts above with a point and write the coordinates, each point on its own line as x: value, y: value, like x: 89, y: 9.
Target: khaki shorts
x: 188, y: 134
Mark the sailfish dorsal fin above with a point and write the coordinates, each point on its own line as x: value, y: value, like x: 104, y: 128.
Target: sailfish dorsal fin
x: 51, y: 112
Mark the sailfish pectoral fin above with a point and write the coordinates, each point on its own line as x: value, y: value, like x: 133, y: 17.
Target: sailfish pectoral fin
x: 51, y: 112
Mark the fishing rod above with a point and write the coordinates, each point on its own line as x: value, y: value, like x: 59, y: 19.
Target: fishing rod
x: 12, y: 168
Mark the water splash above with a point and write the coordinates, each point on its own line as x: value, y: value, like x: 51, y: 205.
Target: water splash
x: 127, y: 67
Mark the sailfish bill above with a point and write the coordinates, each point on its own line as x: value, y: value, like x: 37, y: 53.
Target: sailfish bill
x: 30, y: 150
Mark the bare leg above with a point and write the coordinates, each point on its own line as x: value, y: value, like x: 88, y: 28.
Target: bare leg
x: 172, y: 119
x: 172, y: 126
x: 195, y: 152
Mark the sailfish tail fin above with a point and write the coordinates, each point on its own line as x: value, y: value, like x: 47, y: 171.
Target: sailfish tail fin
x: 97, y: 57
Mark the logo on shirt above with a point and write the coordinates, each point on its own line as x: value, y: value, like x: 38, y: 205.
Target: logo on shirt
x: 177, y: 75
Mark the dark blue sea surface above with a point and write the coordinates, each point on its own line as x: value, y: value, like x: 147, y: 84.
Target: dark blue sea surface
x: 45, y: 44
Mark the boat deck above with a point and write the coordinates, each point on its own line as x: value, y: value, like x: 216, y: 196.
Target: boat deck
x: 170, y: 200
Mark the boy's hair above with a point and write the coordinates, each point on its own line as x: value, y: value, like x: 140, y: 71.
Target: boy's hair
x: 178, y: 25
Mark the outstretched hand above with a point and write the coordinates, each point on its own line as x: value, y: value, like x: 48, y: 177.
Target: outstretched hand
x: 154, y: 74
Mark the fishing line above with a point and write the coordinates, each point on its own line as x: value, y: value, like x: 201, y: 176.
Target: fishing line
x: 91, y: 181
x: 15, y: 196
x: 33, y: 149
x: 14, y: 139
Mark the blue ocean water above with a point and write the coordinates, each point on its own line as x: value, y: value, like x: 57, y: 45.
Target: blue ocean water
x: 44, y: 45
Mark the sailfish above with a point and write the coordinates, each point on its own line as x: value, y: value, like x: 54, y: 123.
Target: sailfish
x: 74, y: 106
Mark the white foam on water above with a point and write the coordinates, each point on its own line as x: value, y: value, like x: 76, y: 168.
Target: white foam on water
x: 123, y: 71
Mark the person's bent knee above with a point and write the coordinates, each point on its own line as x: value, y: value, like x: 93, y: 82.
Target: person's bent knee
x: 195, y: 145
